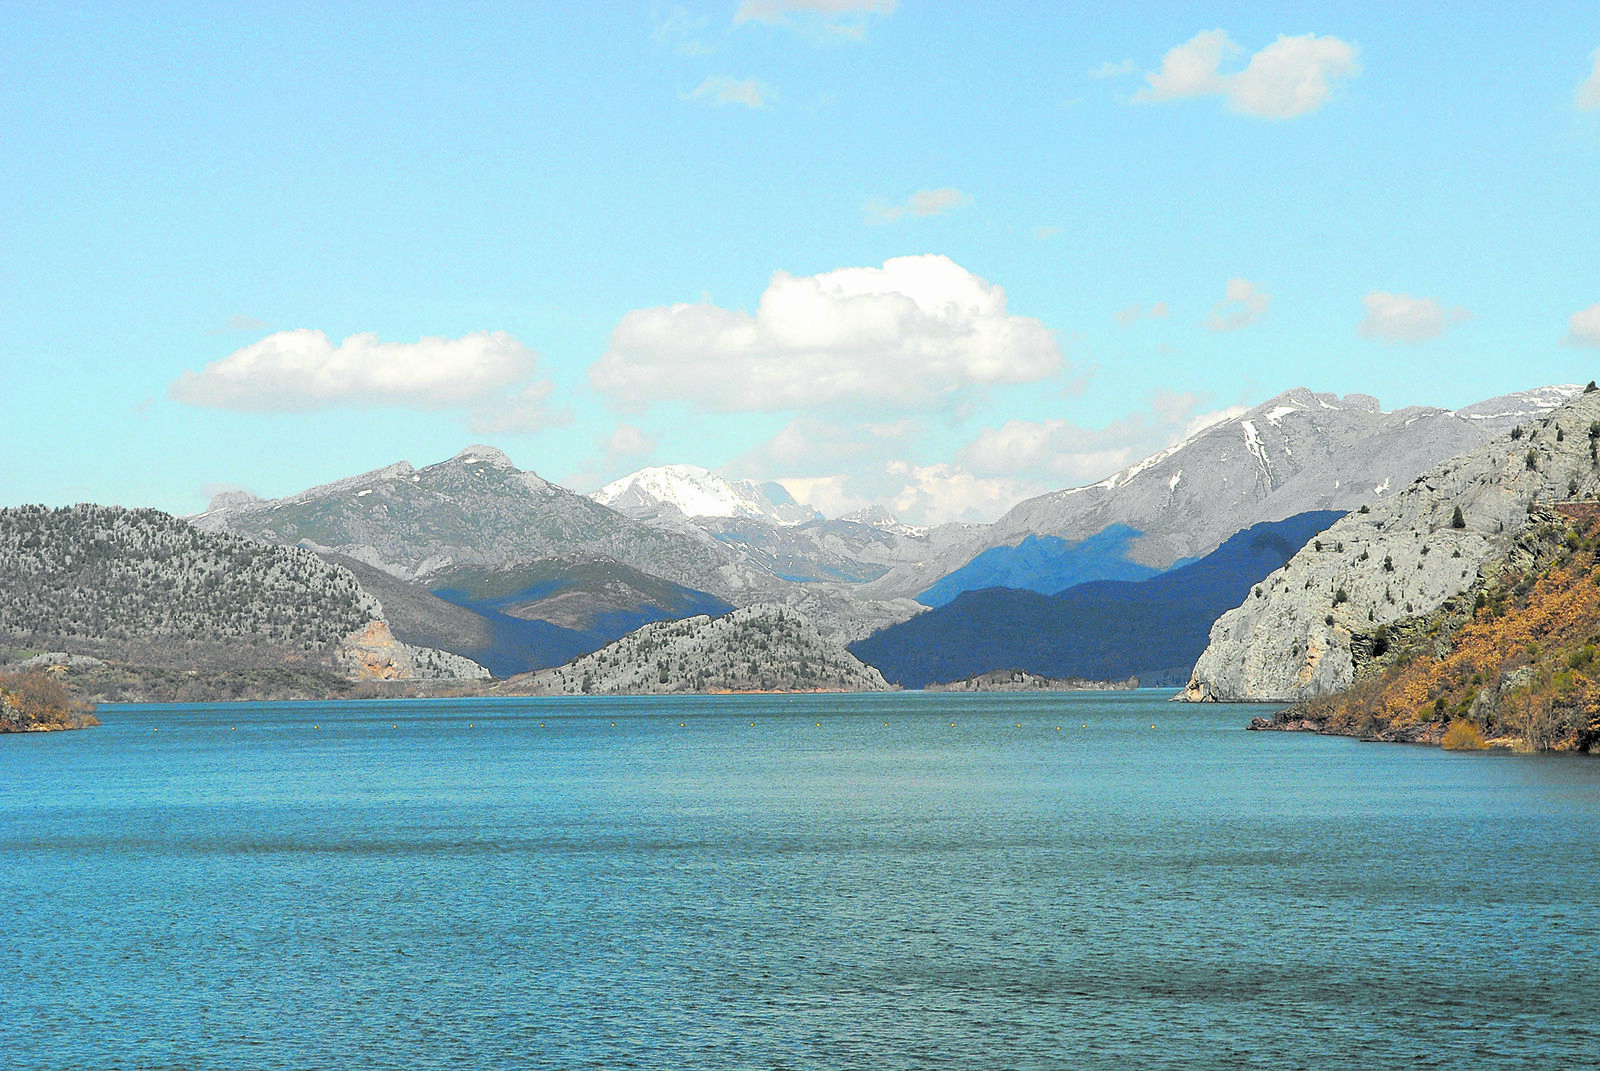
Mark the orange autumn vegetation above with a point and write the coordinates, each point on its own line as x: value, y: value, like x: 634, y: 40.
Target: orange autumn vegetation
x: 1523, y: 668
x: 34, y: 700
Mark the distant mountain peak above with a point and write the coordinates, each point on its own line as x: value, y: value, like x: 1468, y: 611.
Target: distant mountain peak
x: 487, y: 455
x: 697, y: 492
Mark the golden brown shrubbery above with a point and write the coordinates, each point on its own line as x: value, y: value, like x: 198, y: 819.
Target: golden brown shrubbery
x: 1463, y: 736
x: 34, y: 699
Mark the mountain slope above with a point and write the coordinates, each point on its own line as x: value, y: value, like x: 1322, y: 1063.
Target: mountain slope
x: 1152, y: 629
x: 1293, y: 639
x: 476, y: 508
x: 1294, y: 453
x: 142, y: 586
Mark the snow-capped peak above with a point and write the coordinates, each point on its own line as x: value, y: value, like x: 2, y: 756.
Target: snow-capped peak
x: 698, y: 492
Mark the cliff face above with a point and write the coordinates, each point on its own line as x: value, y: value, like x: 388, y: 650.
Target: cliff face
x: 759, y: 648
x: 1299, y: 633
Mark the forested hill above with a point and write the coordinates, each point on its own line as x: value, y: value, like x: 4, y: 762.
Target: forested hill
x: 146, y: 585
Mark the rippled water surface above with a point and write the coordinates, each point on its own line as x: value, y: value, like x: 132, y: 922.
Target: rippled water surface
x: 902, y: 881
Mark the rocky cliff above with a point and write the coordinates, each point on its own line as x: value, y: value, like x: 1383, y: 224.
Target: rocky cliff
x: 763, y: 648
x: 1513, y: 661
x: 1299, y: 633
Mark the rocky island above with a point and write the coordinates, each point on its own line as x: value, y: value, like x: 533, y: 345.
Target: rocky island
x: 762, y: 648
x: 1016, y: 680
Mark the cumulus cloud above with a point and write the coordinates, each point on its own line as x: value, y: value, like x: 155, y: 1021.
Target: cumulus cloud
x: 1584, y: 328
x: 301, y: 370
x: 1587, y: 97
x: 1290, y: 77
x: 922, y: 203
x: 1242, y: 305
x: 718, y: 90
x: 919, y: 333
x: 1403, y: 318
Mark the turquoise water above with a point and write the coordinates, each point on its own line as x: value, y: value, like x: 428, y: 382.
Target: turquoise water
x: 726, y: 883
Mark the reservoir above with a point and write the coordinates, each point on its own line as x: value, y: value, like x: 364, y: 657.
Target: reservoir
x: 1078, y: 880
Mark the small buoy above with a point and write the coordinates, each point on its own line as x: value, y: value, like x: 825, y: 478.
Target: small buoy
x: 1152, y: 726
x: 680, y: 725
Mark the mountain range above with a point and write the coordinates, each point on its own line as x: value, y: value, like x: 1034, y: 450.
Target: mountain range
x: 475, y: 557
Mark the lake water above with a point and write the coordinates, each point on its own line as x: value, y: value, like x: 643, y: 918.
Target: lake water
x: 1070, y: 881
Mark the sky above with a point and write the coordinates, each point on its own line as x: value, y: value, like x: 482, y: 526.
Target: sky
x: 936, y: 256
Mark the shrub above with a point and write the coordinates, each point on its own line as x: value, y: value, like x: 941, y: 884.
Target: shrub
x: 1462, y: 735
x: 1516, y: 433
x: 1532, y: 460
x: 1340, y: 596
x: 1457, y: 520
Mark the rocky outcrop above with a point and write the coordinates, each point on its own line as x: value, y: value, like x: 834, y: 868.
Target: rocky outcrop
x: 763, y: 648
x: 1302, y: 631
x: 1016, y: 680
x: 371, y: 653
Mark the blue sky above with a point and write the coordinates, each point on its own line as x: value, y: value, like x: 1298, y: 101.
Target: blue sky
x: 938, y: 255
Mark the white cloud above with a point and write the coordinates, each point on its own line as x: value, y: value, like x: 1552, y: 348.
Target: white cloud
x: 774, y: 11
x: 1114, y: 70
x: 1587, y: 97
x: 1584, y: 328
x: 750, y: 93
x: 1290, y: 77
x: 1403, y: 318
x: 301, y: 370
x: 919, y: 333
x: 1045, y: 233
x: 922, y: 203
x: 1242, y: 305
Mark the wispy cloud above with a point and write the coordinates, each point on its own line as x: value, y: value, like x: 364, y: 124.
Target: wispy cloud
x: 1114, y: 70
x: 1587, y: 97
x: 1133, y: 313
x: 1242, y: 305
x: 836, y: 18
x: 718, y: 89
x: 236, y: 324
x: 1403, y: 318
x: 1292, y: 76
x: 922, y: 203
